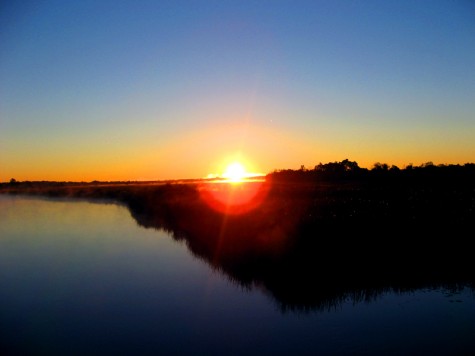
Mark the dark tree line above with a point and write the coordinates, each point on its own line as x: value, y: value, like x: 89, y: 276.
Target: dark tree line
x: 350, y: 170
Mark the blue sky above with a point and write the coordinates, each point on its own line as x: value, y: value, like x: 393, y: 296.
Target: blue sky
x: 176, y: 89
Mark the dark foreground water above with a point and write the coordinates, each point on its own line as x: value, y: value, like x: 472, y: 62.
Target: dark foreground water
x: 84, y: 278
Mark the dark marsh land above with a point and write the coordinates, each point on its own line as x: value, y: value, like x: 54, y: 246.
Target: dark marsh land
x: 312, y: 238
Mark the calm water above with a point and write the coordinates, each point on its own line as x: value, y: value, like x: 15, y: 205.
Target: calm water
x: 83, y: 278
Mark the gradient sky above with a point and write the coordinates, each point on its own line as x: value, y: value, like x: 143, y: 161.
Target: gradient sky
x: 126, y: 90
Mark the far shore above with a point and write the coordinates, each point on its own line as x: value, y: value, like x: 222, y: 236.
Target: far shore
x: 303, y: 230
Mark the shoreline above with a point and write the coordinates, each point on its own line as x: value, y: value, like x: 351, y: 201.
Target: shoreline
x: 307, y: 243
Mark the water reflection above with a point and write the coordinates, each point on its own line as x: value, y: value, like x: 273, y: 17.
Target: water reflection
x: 81, y: 279
x: 310, y: 262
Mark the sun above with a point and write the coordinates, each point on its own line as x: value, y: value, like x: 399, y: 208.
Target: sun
x: 235, y: 172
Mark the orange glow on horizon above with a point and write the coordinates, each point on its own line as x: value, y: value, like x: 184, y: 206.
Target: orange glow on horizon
x: 235, y: 170
x: 235, y: 191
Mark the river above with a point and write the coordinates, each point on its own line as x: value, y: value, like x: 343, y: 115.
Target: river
x: 80, y: 277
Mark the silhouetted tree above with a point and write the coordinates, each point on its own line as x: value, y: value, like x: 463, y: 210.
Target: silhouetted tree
x: 338, y: 167
x: 380, y: 167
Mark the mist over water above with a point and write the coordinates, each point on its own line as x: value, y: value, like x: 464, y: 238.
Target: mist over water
x: 83, y: 278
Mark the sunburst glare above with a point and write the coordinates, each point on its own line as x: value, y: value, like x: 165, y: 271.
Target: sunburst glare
x: 235, y: 172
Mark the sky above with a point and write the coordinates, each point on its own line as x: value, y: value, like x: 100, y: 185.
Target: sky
x: 151, y: 90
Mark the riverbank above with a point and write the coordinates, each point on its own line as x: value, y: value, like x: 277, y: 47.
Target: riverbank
x: 302, y: 237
